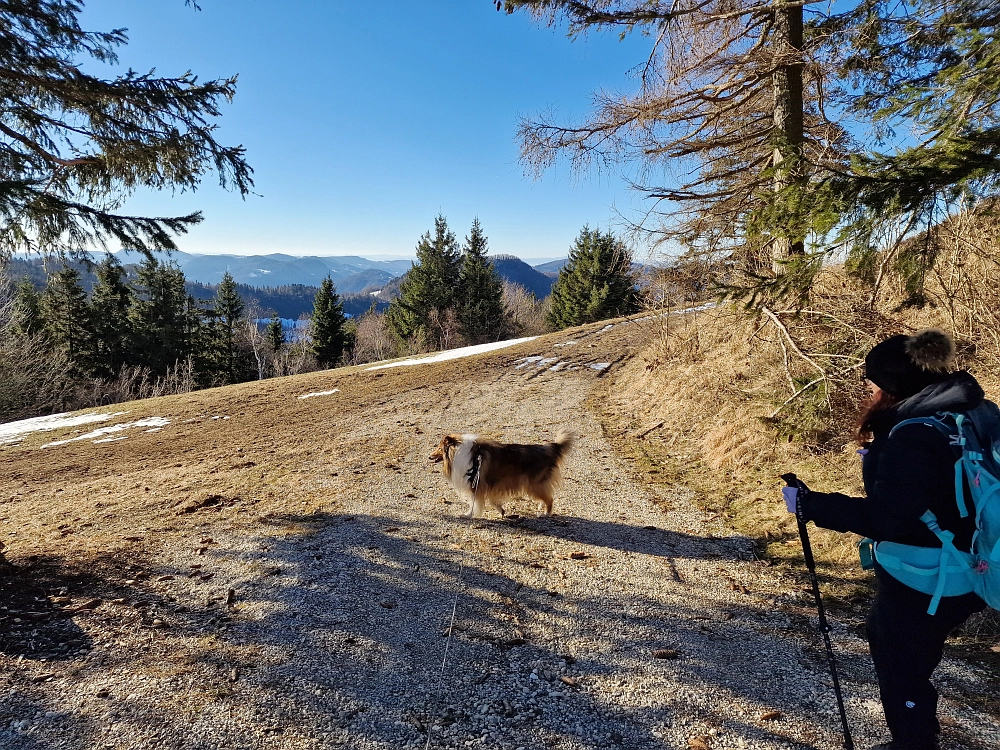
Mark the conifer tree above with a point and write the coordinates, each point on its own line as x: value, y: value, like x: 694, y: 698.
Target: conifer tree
x: 161, y: 317
x: 28, y: 310
x: 67, y: 318
x: 228, y: 305
x: 597, y: 282
x: 110, y: 304
x: 328, y: 337
x: 74, y: 145
x: 481, y: 312
x: 430, y: 286
x: 275, y: 334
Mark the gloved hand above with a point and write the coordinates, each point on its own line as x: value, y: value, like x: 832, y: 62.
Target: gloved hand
x: 794, y: 492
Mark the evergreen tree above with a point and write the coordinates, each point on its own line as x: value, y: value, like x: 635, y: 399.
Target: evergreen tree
x: 481, y: 312
x: 161, y: 317
x: 275, y: 334
x: 427, y: 294
x: 109, y: 305
x: 328, y: 339
x: 229, y: 308
x: 597, y: 282
x: 28, y: 310
x: 74, y: 143
x: 67, y: 318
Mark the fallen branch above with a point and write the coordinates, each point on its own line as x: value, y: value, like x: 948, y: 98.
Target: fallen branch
x: 795, y: 395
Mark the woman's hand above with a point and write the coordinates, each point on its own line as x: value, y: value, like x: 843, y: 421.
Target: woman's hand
x: 794, y: 493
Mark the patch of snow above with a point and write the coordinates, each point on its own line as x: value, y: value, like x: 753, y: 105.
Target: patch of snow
x: 567, y: 343
x: 557, y: 366
x: 13, y: 432
x: 320, y: 393
x: 101, y: 431
x: 465, y: 351
x: 599, y: 365
x: 608, y: 327
x: 219, y: 416
x: 525, y: 361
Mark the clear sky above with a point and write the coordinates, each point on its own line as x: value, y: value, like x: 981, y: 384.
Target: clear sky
x: 364, y: 121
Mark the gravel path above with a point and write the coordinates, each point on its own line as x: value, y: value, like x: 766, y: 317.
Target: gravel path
x: 387, y: 621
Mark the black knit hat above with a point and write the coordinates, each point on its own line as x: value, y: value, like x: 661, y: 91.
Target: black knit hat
x: 904, y: 365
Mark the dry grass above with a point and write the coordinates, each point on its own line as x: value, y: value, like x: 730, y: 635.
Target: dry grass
x: 744, y: 398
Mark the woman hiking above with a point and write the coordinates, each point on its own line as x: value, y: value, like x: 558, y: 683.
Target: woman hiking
x: 906, y: 471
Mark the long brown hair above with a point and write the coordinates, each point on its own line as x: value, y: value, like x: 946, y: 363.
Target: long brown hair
x: 874, y: 405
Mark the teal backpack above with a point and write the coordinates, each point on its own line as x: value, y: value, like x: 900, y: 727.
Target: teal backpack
x: 948, y: 571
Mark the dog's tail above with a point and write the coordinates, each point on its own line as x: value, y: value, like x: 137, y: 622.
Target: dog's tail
x: 563, y: 442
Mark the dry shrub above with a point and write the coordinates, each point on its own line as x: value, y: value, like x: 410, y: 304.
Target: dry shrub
x: 373, y: 340
x: 33, y: 379
x: 527, y: 313
x: 137, y: 382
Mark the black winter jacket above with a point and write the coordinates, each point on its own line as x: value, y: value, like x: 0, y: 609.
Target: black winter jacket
x: 906, y: 475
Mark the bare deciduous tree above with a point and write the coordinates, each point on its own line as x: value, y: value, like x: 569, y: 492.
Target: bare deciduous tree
x: 526, y: 312
x: 373, y: 339
x: 726, y: 122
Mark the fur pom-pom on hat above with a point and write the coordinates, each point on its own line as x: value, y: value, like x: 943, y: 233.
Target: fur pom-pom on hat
x: 905, y: 365
x: 931, y: 349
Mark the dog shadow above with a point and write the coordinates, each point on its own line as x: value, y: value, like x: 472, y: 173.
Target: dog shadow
x: 646, y: 540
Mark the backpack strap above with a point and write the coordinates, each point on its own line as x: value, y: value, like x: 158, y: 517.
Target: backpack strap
x: 957, y: 441
x: 948, y: 549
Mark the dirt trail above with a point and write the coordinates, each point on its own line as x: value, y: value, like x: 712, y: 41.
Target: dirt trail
x: 268, y: 571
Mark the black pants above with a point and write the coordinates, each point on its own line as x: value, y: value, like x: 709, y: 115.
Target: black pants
x: 906, y: 645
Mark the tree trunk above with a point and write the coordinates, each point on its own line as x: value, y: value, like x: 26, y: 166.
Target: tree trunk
x: 788, y: 117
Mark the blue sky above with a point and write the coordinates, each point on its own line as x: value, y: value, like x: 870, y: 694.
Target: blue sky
x: 363, y: 122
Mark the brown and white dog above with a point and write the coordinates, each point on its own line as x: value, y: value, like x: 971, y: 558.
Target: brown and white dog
x: 484, y: 471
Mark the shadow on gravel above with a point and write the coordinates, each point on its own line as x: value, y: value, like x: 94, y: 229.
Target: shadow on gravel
x: 351, y: 631
x: 35, y: 624
x: 354, y: 644
x: 646, y: 540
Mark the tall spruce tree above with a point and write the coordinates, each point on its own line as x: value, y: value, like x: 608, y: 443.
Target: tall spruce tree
x: 228, y: 305
x: 161, y: 317
x: 74, y: 145
x: 597, y: 282
x: 66, y: 313
x: 481, y: 312
x: 28, y: 319
x: 328, y: 337
x: 110, y: 303
x: 427, y: 294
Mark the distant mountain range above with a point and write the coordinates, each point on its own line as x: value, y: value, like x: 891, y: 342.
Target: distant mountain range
x: 287, y: 284
x: 350, y: 273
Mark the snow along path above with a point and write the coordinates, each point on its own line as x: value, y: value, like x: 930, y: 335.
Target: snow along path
x: 341, y: 598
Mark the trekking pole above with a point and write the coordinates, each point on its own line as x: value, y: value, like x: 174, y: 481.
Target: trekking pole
x: 824, y: 626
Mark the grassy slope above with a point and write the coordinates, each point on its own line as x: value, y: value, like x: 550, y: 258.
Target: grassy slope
x: 695, y: 409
